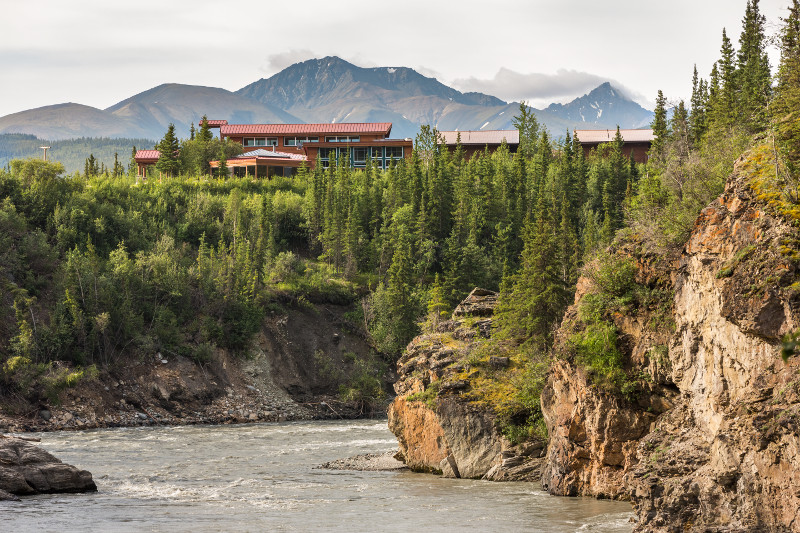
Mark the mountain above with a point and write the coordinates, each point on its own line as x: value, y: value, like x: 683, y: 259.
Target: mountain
x: 333, y: 90
x: 321, y: 91
x: 182, y: 105
x: 66, y: 121
x: 603, y: 107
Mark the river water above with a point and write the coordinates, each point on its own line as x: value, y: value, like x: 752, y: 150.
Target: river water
x: 262, y: 477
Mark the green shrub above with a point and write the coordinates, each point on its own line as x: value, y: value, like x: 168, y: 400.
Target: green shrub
x: 364, y: 386
x: 427, y: 395
x: 596, y: 350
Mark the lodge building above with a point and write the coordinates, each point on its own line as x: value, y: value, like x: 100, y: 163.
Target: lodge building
x: 280, y: 149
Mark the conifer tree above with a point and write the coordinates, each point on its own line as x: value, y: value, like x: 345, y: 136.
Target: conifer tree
x: 723, y: 105
x: 205, y: 134
x: 660, y: 128
x: 437, y: 306
x: 753, y: 70
x: 697, y: 119
x: 118, y: 170
x: 222, y: 170
x: 785, y: 107
x: 528, y: 127
x: 168, y: 162
x: 538, y: 296
x: 132, y: 167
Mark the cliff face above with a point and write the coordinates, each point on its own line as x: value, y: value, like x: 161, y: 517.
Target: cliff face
x: 711, y: 441
x: 438, y: 428
x: 730, y: 452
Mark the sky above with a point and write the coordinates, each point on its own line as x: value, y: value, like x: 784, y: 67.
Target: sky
x: 98, y: 53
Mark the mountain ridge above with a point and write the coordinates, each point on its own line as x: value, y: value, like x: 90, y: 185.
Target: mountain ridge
x: 323, y: 90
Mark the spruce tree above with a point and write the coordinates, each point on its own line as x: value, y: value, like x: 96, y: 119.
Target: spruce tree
x: 698, y: 102
x: 753, y: 70
x: 132, y: 167
x: 168, y: 162
x: 724, y: 106
x: 660, y: 128
x: 528, y: 127
x: 785, y: 107
x: 538, y: 297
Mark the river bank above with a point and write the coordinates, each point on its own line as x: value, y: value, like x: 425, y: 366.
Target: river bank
x: 294, y: 370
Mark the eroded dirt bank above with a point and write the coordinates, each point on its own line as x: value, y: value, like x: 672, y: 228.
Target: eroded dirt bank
x: 294, y: 370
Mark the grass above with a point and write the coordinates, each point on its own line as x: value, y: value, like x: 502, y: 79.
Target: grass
x: 742, y: 255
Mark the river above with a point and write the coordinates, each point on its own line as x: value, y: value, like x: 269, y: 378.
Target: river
x: 262, y: 477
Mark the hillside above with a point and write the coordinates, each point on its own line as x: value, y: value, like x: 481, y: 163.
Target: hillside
x: 69, y: 121
x: 71, y: 153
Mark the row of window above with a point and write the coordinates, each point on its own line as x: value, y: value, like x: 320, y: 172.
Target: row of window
x: 260, y: 141
x: 296, y: 141
x: 359, y: 155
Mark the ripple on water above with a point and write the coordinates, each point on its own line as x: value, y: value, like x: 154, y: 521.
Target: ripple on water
x: 261, y: 477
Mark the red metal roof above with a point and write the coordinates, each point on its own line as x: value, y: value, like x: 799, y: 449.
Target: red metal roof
x: 382, y: 128
x: 147, y: 154
x: 214, y: 123
x: 481, y: 137
x: 607, y: 136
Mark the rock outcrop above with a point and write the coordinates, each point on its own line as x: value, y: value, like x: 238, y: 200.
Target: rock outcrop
x: 26, y: 469
x: 438, y: 428
x: 712, y: 442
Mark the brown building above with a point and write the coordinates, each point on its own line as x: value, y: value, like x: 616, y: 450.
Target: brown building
x: 477, y: 140
x: 280, y: 149
x: 636, y: 142
x: 360, y: 142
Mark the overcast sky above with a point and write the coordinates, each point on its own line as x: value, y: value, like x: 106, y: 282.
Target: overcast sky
x: 98, y: 53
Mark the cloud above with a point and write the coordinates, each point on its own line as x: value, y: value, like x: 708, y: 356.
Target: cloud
x: 536, y: 87
x: 278, y: 62
x: 429, y: 72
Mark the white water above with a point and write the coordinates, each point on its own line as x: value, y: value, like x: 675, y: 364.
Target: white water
x: 261, y: 477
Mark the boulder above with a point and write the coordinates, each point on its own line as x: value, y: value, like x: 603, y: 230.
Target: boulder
x: 28, y: 469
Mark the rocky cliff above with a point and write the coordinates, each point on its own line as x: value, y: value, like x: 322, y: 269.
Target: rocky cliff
x: 710, y: 441
x: 667, y: 389
x: 441, y: 427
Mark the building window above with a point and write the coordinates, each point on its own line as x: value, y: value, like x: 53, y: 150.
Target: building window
x: 297, y: 141
x: 394, y: 152
x: 343, y: 139
x: 359, y: 157
x: 260, y: 141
